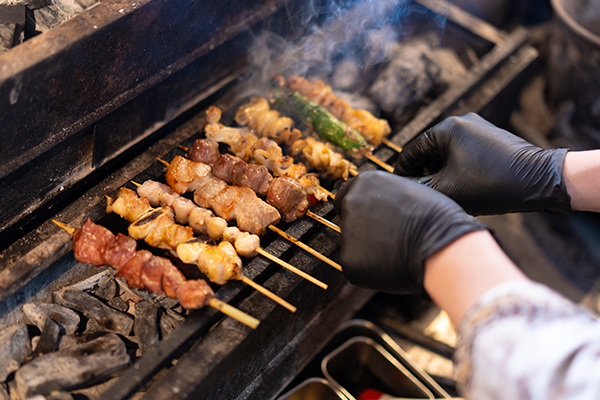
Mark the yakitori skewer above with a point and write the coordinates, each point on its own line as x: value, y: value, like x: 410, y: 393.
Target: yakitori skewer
x: 157, y: 227
x: 204, y: 221
x: 373, y: 129
x: 185, y: 175
x: 96, y: 245
x: 209, y: 154
x: 325, y: 124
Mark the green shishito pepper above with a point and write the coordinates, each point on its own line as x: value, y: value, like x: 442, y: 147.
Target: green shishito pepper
x: 325, y: 124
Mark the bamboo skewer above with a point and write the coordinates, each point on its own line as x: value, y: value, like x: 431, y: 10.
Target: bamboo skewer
x: 296, y: 242
x: 291, y: 268
x: 268, y: 293
x: 324, y: 221
x: 392, y: 145
x: 305, y: 247
x: 382, y: 164
x: 214, y: 302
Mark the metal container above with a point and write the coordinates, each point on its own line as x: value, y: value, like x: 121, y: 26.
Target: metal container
x: 313, y: 388
x: 361, y: 364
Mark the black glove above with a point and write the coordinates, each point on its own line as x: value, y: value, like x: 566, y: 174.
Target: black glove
x: 487, y: 170
x: 390, y: 225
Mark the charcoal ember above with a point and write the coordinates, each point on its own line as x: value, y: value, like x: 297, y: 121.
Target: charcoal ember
x: 169, y: 320
x: 107, y: 290
x: 14, y: 348
x: 101, y: 314
x: 119, y: 304
x: 166, y: 302
x: 409, y: 76
x: 146, y: 324
x: 68, y: 320
x: 72, y: 367
x: 48, y: 339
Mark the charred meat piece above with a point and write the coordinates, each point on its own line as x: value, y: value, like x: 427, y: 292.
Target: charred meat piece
x: 132, y: 270
x: 128, y: 205
x: 119, y: 251
x: 236, y: 171
x: 288, y: 197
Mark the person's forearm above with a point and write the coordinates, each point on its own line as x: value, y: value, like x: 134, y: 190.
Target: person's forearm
x: 456, y: 276
x: 581, y: 173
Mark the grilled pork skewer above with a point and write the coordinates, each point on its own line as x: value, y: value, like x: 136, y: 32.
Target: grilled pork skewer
x: 203, y: 221
x: 214, y: 193
x: 219, y: 263
x: 97, y: 245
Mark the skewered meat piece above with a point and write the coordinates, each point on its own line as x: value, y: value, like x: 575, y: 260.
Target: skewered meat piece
x: 288, y: 197
x: 201, y: 219
x: 237, y: 172
x: 373, y: 129
x: 97, y: 245
x: 128, y: 205
x: 183, y: 176
x: 220, y: 263
x: 206, y: 151
x: 322, y: 157
x: 258, y: 115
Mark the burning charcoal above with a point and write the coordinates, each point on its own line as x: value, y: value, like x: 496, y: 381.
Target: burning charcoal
x: 409, y: 76
x: 119, y: 304
x: 107, y: 291
x: 146, y: 325
x: 94, y: 309
x: 14, y: 347
x: 74, y: 366
x: 48, y: 340
x: 166, y: 302
x: 169, y: 320
x: 38, y: 313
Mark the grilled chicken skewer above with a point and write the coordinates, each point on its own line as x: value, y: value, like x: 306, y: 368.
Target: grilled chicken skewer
x: 228, y: 202
x: 236, y: 171
x: 203, y: 221
x: 158, y: 228
x: 97, y: 245
x: 266, y: 150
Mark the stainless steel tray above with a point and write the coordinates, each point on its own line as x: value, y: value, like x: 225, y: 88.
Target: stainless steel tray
x: 313, y: 388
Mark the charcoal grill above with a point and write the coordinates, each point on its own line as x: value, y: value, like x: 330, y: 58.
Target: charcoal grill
x: 104, y: 94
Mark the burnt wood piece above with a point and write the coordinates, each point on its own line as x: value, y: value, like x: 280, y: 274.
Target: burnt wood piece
x: 106, y: 317
x: 48, y: 340
x: 38, y: 313
x: 146, y: 325
x: 15, y: 346
x: 69, y: 368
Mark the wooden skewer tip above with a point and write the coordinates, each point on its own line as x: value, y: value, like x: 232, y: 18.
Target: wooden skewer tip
x: 268, y: 293
x: 163, y: 161
x: 136, y: 184
x: 234, y: 313
x: 67, y: 228
x: 183, y: 147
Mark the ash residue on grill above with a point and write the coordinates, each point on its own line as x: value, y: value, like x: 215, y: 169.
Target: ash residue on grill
x: 77, y: 341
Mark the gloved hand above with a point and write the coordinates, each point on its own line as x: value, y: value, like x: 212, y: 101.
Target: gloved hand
x: 390, y: 225
x: 487, y: 170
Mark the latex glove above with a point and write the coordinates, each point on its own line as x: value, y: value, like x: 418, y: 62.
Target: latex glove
x: 487, y: 170
x: 390, y: 225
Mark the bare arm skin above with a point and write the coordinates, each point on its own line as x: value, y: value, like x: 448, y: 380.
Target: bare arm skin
x: 457, y: 275
x: 581, y: 173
